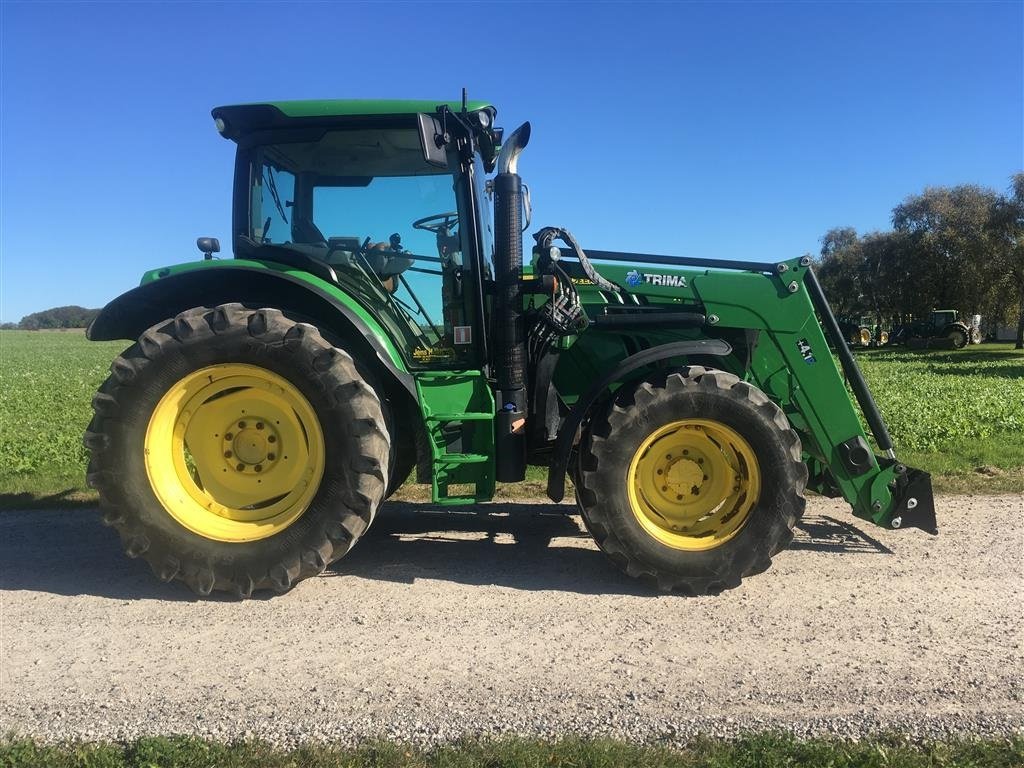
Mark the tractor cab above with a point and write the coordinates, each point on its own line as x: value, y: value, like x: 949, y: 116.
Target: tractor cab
x: 942, y: 318
x: 358, y: 201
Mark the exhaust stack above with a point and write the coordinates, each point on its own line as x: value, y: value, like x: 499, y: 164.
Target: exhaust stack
x: 510, y: 347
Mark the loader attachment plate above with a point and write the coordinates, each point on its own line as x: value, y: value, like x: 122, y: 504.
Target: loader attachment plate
x: 915, y: 503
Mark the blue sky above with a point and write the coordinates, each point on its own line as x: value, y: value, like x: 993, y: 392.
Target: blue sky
x: 721, y: 130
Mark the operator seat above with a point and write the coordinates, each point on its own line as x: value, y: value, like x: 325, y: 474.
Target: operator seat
x: 379, y: 257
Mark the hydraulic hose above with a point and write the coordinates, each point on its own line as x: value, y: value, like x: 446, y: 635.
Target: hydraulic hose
x: 548, y: 235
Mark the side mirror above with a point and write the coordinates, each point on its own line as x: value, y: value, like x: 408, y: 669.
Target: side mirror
x: 209, y: 246
x: 433, y: 140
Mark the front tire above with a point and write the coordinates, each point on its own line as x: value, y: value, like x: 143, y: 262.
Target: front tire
x: 691, y: 481
x: 235, y: 449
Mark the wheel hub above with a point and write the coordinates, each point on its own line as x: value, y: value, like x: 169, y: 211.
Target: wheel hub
x: 684, y: 477
x: 692, y: 483
x: 234, y: 452
x: 250, y: 445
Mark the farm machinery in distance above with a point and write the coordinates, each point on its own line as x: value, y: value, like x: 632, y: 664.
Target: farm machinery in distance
x: 862, y: 332
x: 943, y: 327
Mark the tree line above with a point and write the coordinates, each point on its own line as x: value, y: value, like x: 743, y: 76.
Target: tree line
x: 57, y: 317
x: 956, y: 247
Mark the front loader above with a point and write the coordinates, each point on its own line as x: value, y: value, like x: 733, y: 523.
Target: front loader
x: 377, y: 320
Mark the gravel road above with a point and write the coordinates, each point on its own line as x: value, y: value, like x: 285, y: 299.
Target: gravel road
x: 446, y: 624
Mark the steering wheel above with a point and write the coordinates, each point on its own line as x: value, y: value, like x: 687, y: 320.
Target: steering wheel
x: 439, y: 223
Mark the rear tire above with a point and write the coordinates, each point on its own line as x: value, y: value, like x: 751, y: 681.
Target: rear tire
x: 667, y: 543
x: 329, y: 494
x: 958, y: 338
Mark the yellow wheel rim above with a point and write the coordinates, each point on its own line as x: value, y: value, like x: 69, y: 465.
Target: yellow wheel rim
x: 865, y: 337
x: 883, y: 337
x: 234, y: 452
x: 692, y: 484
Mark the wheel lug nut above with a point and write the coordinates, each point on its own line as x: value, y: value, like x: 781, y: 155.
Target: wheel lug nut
x: 241, y: 425
x: 240, y: 467
x: 228, y: 436
x: 271, y: 439
x: 686, y: 452
x: 258, y: 467
x: 259, y: 425
x: 227, y: 454
x: 659, y: 472
x: 271, y: 456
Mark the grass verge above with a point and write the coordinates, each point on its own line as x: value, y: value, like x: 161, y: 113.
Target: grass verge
x: 760, y: 751
x: 957, y: 414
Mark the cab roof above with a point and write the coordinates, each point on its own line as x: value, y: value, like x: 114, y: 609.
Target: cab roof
x: 240, y: 119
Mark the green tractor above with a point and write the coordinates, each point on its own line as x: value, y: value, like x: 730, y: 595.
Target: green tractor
x: 863, y: 332
x: 377, y: 320
x: 943, y: 328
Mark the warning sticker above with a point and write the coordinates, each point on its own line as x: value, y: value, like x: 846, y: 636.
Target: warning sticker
x: 463, y: 334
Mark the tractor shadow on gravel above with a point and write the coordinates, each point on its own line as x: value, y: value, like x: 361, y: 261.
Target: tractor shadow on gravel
x: 823, y: 533
x: 71, y: 552
x: 527, y: 546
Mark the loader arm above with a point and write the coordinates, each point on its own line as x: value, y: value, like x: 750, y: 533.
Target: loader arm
x: 783, y: 307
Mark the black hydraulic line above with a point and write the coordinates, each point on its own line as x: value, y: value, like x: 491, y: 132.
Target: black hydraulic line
x: 648, y: 320
x: 850, y: 368
x: 674, y: 261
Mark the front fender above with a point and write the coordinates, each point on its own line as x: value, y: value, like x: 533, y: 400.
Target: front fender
x: 167, y: 292
x: 567, y: 432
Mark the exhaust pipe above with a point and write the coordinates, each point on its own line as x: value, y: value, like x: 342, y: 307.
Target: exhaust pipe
x: 508, y: 157
x: 510, y: 347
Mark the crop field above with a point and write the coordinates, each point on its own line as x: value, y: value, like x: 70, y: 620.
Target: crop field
x: 958, y: 414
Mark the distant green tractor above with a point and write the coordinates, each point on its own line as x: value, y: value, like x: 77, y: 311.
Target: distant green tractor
x: 863, y: 332
x: 943, y: 326
x: 376, y: 320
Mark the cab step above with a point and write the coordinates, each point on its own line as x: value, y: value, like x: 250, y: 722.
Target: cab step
x: 458, y: 412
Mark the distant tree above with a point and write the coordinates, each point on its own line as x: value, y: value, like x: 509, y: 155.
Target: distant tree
x: 839, y: 270
x: 951, y: 247
x: 8, y: 326
x: 58, y: 317
x: 952, y: 251
x: 886, y: 287
x: 1008, y: 228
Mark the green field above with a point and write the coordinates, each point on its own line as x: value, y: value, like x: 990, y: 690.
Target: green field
x: 958, y: 414
x: 761, y: 751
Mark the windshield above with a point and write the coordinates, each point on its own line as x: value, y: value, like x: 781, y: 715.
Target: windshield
x: 366, y: 203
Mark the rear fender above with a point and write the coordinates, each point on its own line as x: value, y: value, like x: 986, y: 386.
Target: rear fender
x: 205, y: 284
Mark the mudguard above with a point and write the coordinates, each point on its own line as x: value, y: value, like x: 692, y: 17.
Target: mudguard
x: 166, y: 292
x: 567, y: 432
